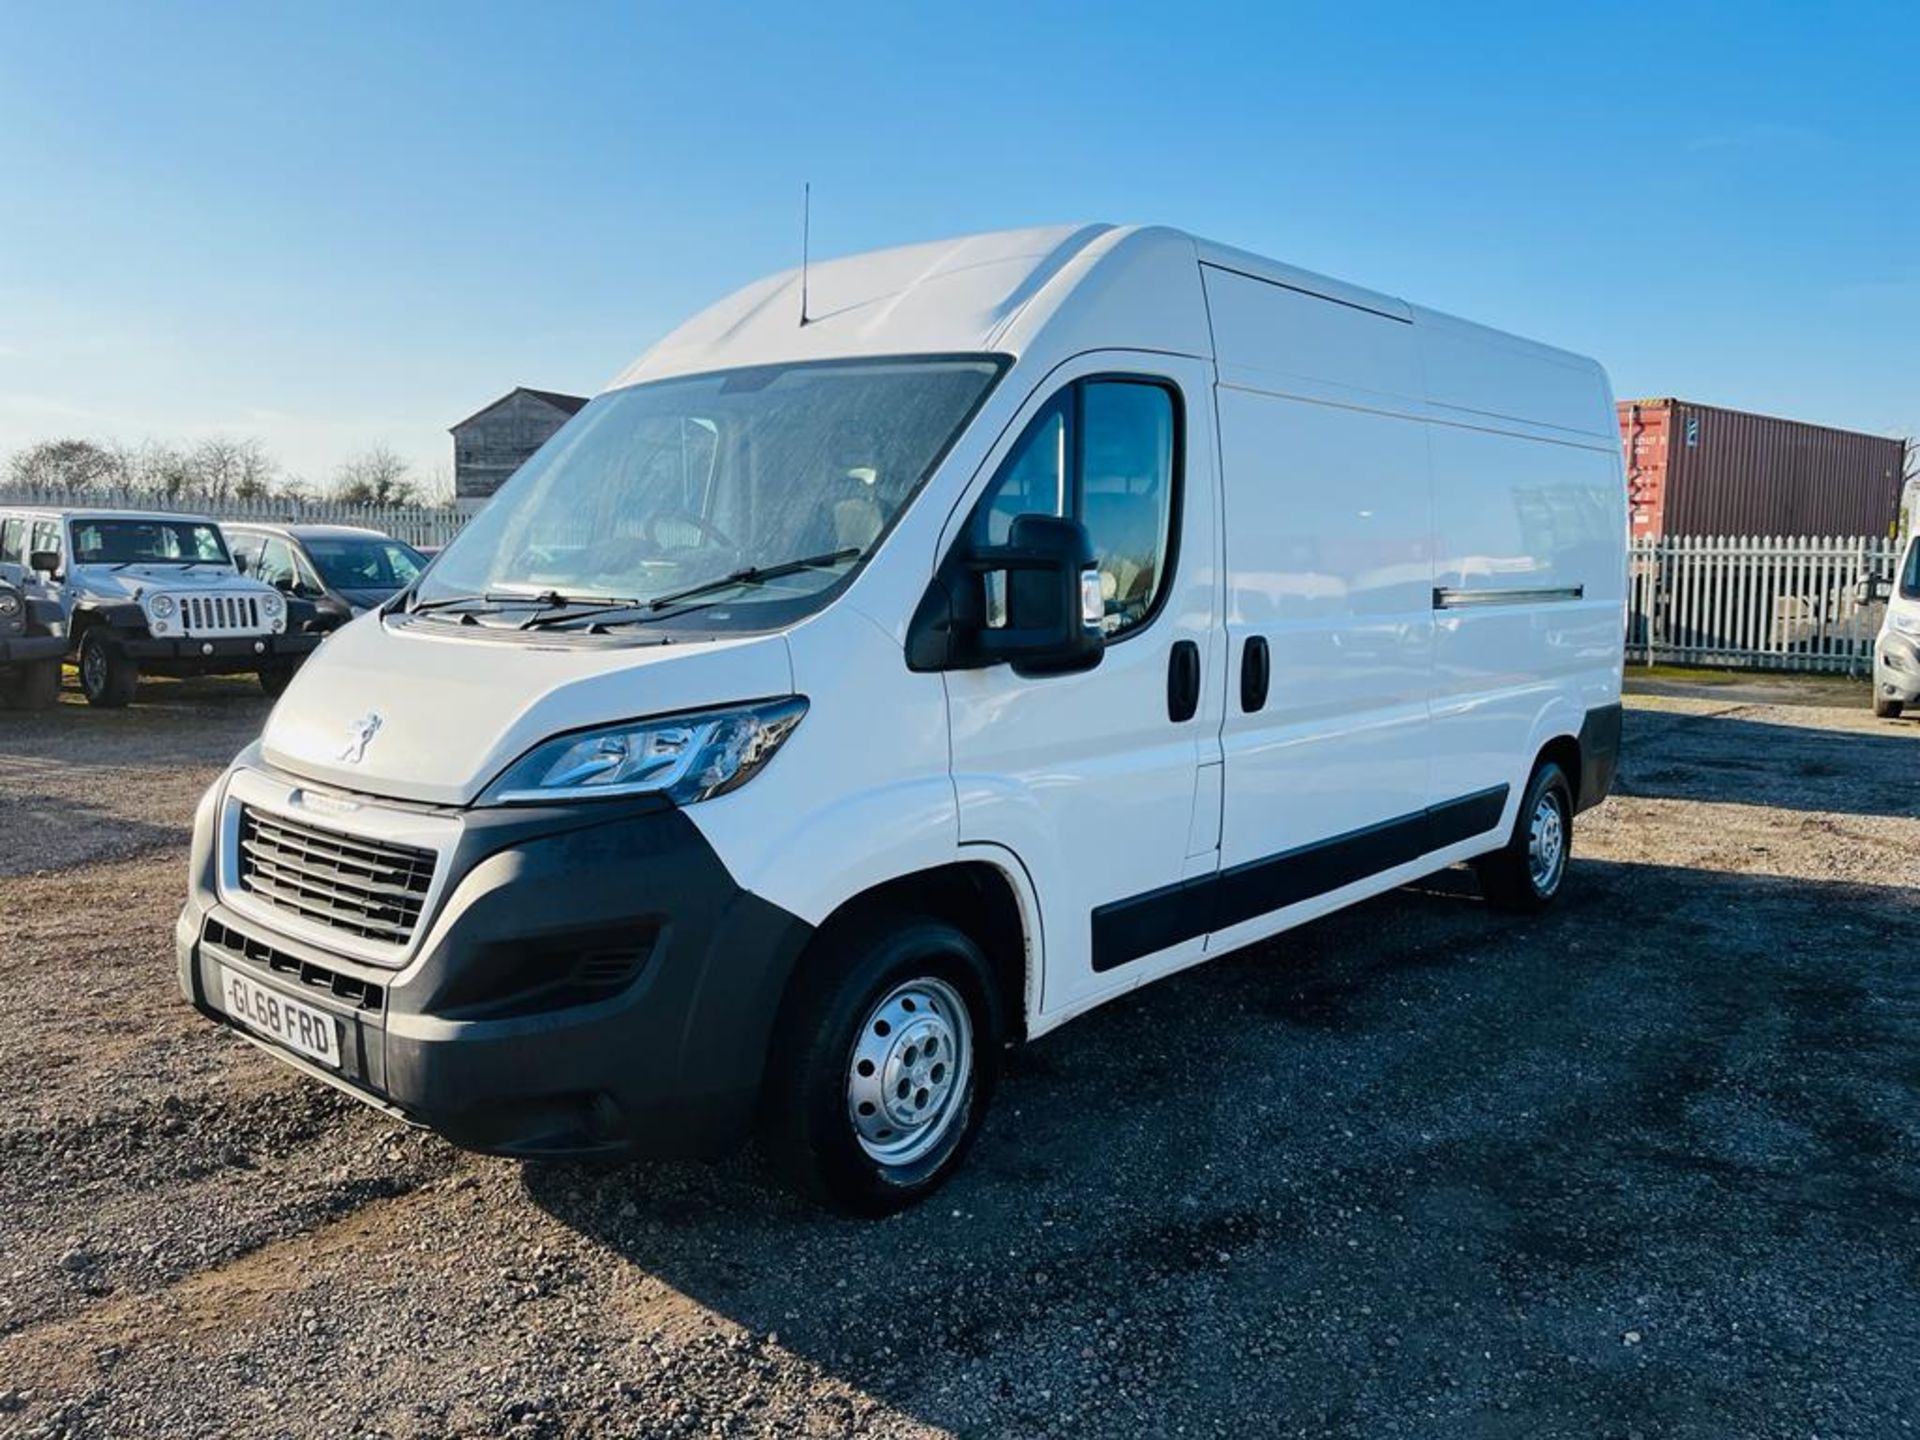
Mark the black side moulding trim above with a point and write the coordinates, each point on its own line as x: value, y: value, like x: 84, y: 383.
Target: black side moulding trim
x: 1125, y: 930
x: 1599, y: 754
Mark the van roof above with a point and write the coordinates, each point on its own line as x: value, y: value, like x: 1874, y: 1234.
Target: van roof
x: 1065, y: 287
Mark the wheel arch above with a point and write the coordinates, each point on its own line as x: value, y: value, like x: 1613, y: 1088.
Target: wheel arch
x: 1562, y: 750
x: 984, y: 898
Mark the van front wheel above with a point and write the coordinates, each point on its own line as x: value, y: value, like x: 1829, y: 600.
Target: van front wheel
x: 883, y: 1063
x: 1525, y: 874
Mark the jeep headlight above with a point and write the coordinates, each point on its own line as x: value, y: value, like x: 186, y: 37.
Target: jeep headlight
x: 9, y: 604
x: 271, y: 604
x: 161, y: 607
x: 687, y: 758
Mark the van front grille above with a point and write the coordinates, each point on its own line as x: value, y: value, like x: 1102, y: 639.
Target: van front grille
x: 370, y: 888
x: 202, y: 615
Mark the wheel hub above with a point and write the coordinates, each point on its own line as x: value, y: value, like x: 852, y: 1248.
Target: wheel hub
x: 1546, y: 844
x: 909, y: 1070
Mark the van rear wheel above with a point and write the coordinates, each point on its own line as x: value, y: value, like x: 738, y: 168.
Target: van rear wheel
x: 883, y: 1063
x: 1525, y: 874
x: 107, y: 676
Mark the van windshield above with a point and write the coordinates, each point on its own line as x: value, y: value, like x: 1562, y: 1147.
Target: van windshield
x: 749, y: 493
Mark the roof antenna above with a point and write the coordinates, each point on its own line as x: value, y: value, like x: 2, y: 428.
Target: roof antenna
x: 806, y: 224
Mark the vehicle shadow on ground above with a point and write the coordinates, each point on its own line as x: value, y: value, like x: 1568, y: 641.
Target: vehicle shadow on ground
x: 1419, y: 1168
x: 1722, y: 760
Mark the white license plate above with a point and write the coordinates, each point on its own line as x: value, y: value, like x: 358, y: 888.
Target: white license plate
x: 314, y: 1033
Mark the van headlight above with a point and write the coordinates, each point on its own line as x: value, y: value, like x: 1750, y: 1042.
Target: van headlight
x: 686, y: 758
x: 1903, y: 622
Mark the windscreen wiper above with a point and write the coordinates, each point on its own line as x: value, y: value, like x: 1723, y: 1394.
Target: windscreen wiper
x: 751, y: 575
x: 542, y: 600
x: 754, y: 574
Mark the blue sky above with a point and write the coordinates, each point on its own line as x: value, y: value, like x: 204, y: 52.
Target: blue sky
x: 345, y: 224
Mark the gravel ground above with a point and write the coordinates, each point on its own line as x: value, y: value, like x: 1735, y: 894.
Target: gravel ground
x: 1648, y: 1166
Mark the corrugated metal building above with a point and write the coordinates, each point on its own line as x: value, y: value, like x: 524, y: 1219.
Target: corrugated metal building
x: 1701, y: 470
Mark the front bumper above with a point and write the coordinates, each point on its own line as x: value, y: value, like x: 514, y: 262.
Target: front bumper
x: 592, y: 981
x: 221, y: 650
x: 25, y: 649
x: 1896, y: 667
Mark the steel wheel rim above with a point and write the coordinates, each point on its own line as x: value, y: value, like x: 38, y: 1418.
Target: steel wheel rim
x: 1546, y: 844
x: 909, y: 1074
x: 93, y: 667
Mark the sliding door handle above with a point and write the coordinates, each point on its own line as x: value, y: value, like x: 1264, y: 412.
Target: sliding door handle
x: 1256, y: 669
x: 1183, y: 681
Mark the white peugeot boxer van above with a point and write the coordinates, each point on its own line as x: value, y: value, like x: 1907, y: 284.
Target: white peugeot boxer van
x: 845, y: 694
x: 1896, y: 649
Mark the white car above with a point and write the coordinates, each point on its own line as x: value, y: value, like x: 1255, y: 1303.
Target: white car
x: 854, y: 690
x: 1896, y: 650
x: 155, y: 593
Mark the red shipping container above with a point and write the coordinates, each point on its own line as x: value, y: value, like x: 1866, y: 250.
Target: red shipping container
x: 1701, y: 470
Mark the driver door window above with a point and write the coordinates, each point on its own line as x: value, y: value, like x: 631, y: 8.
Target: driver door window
x: 1105, y: 452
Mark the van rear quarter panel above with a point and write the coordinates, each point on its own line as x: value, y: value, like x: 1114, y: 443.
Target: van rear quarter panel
x: 1529, y: 494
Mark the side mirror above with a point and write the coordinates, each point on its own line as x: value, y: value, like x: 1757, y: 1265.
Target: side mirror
x: 240, y: 562
x: 1045, y: 615
x: 1866, y: 590
x: 47, y: 562
x: 285, y: 584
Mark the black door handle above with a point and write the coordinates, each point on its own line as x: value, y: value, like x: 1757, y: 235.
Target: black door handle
x: 1255, y: 670
x: 1183, y: 681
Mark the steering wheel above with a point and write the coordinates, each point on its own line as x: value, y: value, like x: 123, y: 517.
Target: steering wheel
x: 708, y: 530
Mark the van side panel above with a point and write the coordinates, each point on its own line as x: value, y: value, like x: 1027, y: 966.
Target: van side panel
x: 1328, y: 525
x: 1530, y: 567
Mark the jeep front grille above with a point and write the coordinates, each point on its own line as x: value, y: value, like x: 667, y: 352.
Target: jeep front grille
x: 370, y: 888
x: 202, y: 615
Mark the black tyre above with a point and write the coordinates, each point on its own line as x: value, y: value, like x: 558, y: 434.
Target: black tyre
x: 31, y: 687
x: 274, y: 679
x: 107, y: 677
x: 1526, y: 873
x: 883, y: 1063
x: 1887, y: 709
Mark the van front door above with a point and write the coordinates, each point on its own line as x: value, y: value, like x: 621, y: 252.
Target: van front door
x: 1105, y: 784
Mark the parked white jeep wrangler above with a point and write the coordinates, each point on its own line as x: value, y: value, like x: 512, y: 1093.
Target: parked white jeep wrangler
x: 155, y: 593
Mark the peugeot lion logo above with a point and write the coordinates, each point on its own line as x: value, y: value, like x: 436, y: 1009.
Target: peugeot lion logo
x: 358, y: 734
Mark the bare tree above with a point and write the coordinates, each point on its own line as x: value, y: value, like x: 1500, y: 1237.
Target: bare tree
x: 73, y: 466
x: 297, y: 489
x: 157, y: 469
x: 375, y: 477
x: 223, y: 468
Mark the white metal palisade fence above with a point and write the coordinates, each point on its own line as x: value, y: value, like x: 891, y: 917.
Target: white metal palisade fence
x: 415, y: 524
x: 1769, y: 603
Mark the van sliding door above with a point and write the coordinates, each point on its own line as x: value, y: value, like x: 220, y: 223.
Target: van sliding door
x: 1327, y: 514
